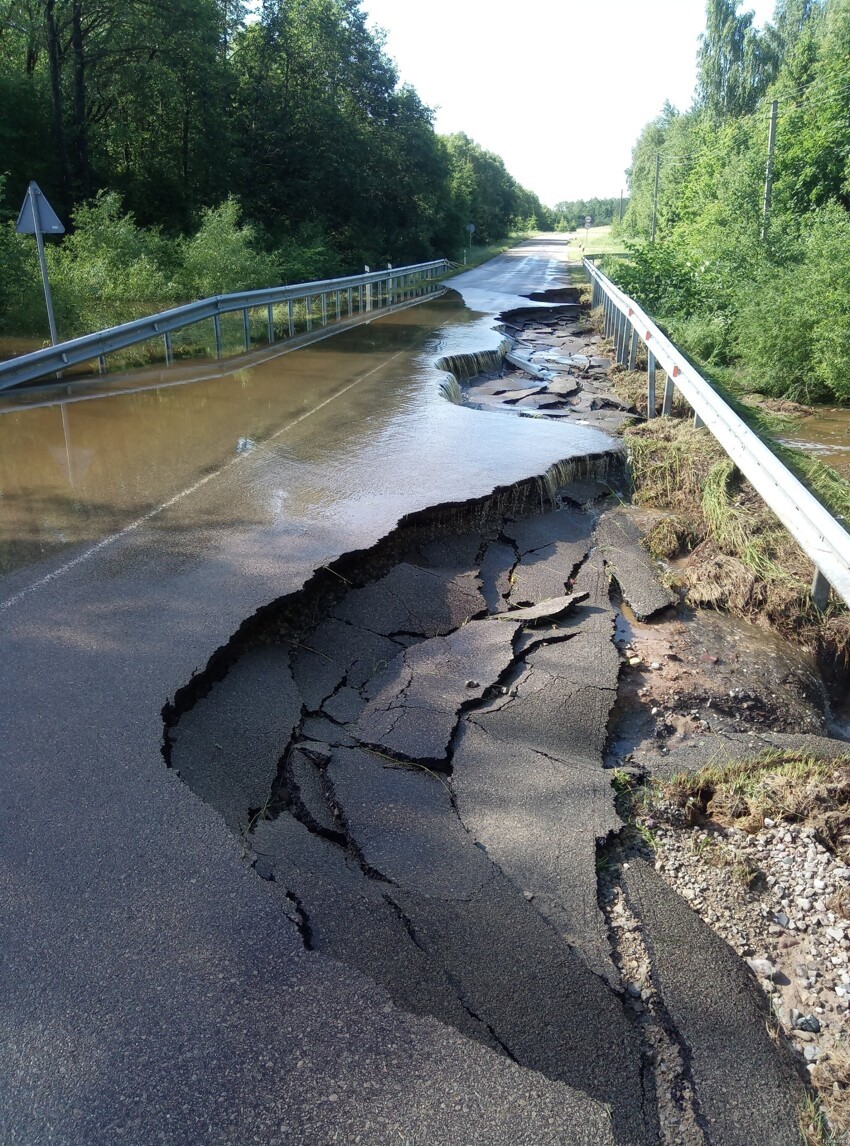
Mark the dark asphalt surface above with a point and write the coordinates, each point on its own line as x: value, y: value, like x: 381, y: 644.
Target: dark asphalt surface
x: 619, y: 543
x: 510, y: 967
x: 238, y: 730
x: 413, y: 705
x: 744, y: 1084
x: 154, y: 987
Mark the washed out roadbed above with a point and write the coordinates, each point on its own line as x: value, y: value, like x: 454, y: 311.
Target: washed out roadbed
x: 457, y: 761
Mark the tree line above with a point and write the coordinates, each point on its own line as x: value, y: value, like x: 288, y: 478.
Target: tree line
x: 762, y: 295
x: 570, y: 215
x: 282, y: 123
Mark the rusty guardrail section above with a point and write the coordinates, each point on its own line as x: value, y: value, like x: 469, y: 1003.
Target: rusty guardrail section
x: 355, y: 295
x: 821, y: 537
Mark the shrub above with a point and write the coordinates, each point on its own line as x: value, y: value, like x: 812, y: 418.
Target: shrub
x: 224, y: 256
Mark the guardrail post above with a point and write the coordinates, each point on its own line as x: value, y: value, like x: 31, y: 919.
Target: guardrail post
x: 338, y: 306
x: 270, y: 313
x: 350, y: 302
x: 650, y: 384
x: 667, y: 404
x: 820, y: 590
x: 246, y: 329
x: 324, y: 309
x: 698, y: 422
x: 101, y: 363
x: 169, y: 355
x: 290, y: 314
x: 606, y: 312
x: 633, y: 349
x: 622, y: 338
x: 217, y: 333
x: 309, y: 306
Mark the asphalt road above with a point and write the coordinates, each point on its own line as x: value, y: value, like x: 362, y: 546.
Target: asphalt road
x: 152, y: 988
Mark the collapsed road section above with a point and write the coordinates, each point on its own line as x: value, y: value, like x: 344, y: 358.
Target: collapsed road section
x: 412, y: 753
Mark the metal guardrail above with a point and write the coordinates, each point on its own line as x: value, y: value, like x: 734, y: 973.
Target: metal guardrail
x: 816, y: 531
x: 357, y: 294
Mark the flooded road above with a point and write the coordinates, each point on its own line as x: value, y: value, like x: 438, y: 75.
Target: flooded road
x: 318, y: 436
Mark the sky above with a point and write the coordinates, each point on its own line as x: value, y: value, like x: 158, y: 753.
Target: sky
x: 559, y: 89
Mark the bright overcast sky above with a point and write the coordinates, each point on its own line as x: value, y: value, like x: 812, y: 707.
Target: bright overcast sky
x: 559, y: 89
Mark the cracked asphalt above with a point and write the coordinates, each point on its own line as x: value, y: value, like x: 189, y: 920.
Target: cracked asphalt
x: 435, y: 825
x: 154, y: 987
x: 361, y: 903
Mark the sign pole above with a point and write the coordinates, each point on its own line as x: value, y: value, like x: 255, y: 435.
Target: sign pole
x: 51, y: 317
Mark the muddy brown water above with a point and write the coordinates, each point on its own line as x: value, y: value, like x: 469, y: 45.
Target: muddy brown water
x: 826, y: 435
x: 322, y: 435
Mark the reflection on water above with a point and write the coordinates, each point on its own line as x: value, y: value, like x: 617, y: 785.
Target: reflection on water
x: 826, y: 434
x: 317, y: 435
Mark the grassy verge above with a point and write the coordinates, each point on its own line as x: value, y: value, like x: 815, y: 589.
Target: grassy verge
x: 727, y: 548
x: 599, y: 241
x: 783, y: 787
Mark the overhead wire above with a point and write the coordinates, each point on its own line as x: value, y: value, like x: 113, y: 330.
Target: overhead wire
x: 785, y: 109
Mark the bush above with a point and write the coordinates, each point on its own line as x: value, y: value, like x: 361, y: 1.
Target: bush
x: 22, y: 309
x: 663, y: 279
x: 109, y: 270
x: 223, y: 256
x: 793, y: 326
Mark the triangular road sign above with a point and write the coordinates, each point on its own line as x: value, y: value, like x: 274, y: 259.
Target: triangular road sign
x: 48, y: 220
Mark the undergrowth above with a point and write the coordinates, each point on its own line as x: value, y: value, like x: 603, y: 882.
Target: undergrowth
x: 785, y: 787
x: 739, y: 555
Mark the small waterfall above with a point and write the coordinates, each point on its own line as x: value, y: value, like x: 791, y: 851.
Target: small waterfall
x: 604, y: 468
x: 450, y: 388
x: 461, y: 367
x: 466, y: 366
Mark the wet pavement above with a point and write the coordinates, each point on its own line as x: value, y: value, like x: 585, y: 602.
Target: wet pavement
x: 155, y: 987
x: 327, y: 441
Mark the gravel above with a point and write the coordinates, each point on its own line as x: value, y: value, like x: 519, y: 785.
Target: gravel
x: 774, y: 897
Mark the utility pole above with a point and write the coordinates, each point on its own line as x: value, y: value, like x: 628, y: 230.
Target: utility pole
x: 655, y: 196
x: 621, y: 206
x: 768, y: 176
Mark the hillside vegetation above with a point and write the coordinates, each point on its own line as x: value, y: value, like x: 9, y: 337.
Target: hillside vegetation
x: 195, y: 146
x: 765, y: 302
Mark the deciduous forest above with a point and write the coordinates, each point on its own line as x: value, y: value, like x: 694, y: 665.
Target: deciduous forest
x: 761, y: 296
x: 196, y: 146
x: 571, y: 214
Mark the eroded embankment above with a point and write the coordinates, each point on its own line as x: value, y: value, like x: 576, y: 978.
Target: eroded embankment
x: 411, y: 751
x: 415, y: 751
x: 722, y: 545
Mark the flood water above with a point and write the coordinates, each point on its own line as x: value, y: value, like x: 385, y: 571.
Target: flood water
x: 318, y: 436
x: 826, y: 435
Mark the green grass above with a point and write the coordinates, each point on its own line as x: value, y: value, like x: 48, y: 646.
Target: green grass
x: 600, y: 241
